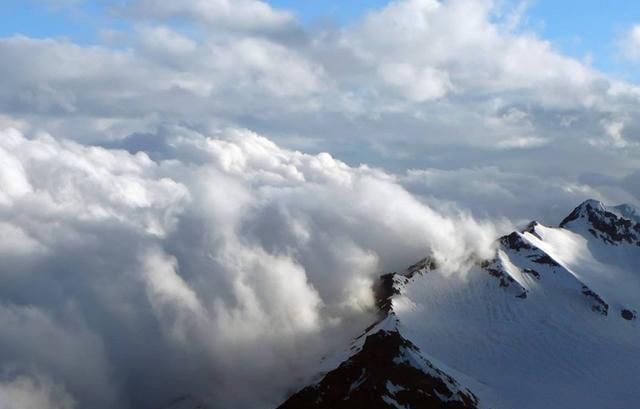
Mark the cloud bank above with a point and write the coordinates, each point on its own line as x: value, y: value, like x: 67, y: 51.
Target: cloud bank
x: 131, y: 281
x: 417, y: 84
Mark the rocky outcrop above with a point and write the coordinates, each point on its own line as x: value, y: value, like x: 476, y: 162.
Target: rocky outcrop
x: 629, y: 315
x: 605, y: 224
x: 389, y: 372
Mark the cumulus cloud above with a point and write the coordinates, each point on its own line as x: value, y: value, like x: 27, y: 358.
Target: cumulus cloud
x: 404, y: 80
x: 426, y: 36
x: 629, y: 44
x: 236, y: 14
x: 139, y: 280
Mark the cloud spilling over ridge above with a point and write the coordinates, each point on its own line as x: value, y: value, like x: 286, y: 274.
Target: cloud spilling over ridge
x: 220, y: 272
x: 148, y: 254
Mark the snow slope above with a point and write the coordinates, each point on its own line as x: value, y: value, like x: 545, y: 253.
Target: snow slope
x: 550, y: 322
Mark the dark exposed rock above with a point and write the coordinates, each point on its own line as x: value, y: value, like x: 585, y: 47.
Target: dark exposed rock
x: 532, y: 272
x: 505, y: 279
x: 388, y: 370
x: 515, y: 242
x: 574, y: 215
x: 531, y: 228
x: 629, y: 314
x: 543, y: 259
x: 387, y: 285
x: 600, y: 305
x: 427, y: 263
x: 496, y: 269
x: 384, y: 290
x: 605, y: 225
x: 511, y: 242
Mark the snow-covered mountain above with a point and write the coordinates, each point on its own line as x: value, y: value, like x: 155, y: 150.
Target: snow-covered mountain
x: 549, y: 322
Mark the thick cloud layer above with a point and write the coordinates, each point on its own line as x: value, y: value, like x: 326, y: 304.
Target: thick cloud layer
x: 224, y: 272
x: 416, y: 84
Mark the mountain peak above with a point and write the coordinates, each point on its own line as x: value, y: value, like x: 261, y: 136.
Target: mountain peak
x: 387, y: 372
x: 613, y: 225
x: 583, y: 209
x: 602, y: 222
x: 625, y: 211
x: 385, y: 369
x: 593, y: 203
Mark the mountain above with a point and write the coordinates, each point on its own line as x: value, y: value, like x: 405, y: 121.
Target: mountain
x: 384, y: 368
x: 549, y: 322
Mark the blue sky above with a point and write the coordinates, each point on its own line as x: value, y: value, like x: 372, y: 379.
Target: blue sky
x: 579, y: 28
x: 38, y: 18
x: 585, y: 27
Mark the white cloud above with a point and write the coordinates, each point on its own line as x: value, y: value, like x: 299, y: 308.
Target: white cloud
x: 629, y: 44
x: 614, y: 130
x: 164, y: 40
x: 33, y: 393
x: 232, y: 14
x: 403, y: 80
x: 15, y: 242
x: 420, y: 86
x: 428, y: 36
x: 242, y: 262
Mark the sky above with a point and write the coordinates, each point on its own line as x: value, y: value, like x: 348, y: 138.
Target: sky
x: 197, y: 197
x: 591, y: 34
x: 586, y: 30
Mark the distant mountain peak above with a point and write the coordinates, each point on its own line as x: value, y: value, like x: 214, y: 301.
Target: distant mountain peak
x: 628, y: 212
x: 613, y: 225
x: 593, y: 203
x: 585, y: 208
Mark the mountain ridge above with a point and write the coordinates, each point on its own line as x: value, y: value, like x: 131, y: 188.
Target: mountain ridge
x: 549, y: 321
x: 523, y: 269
